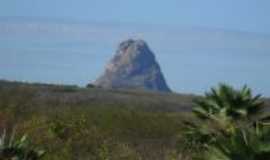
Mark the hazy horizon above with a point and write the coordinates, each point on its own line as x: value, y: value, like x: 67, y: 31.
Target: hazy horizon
x: 198, y: 44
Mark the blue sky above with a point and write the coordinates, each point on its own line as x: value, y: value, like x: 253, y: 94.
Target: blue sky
x: 198, y: 43
x: 245, y: 15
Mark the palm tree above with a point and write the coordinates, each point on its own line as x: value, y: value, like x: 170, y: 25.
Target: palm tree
x: 226, y: 106
x: 219, y: 114
x: 244, y: 144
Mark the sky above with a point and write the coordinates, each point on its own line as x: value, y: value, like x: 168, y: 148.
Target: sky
x: 245, y: 15
x: 198, y: 43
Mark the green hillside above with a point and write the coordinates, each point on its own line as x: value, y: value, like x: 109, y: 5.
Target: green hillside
x: 73, y: 123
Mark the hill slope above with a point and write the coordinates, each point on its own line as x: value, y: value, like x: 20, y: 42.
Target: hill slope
x: 64, y: 94
x: 94, y: 123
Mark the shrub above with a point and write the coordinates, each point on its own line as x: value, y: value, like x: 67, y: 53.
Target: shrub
x: 18, y: 149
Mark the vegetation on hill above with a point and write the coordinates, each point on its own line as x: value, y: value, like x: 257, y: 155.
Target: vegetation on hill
x: 70, y: 123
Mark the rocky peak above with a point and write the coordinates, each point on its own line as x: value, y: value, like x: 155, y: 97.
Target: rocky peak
x: 133, y: 66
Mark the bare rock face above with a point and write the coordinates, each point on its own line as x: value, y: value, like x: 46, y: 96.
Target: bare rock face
x: 133, y: 66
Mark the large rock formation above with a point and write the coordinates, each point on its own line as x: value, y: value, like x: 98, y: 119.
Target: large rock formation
x: 133, y: 66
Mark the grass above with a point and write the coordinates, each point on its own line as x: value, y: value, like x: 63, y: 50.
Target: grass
x: 78, y: 123
x: 73, y: 123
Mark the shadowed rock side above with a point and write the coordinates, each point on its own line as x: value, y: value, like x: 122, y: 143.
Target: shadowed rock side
x: 133, y: 66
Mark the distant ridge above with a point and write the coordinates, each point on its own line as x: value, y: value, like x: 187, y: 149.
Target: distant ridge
x: 133, y: 66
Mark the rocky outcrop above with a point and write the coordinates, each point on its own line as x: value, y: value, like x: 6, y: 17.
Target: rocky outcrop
x: 133, y: 66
